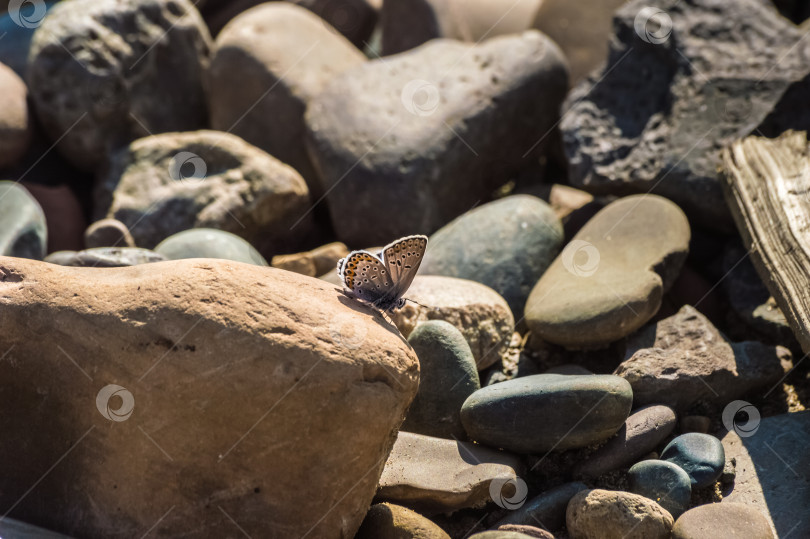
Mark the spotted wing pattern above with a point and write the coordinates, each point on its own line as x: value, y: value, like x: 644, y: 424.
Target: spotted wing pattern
x: 402, y: 259
x: 366, y: 276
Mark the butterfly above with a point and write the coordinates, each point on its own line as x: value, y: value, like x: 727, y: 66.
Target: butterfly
x: 381, y: 279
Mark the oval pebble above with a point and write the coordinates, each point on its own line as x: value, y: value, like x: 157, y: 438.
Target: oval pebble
x: 663, y: 482
x: 700, y: 455
x: 606, y: 514
x: 209, y: 243
x: 722, y: 521
x: 545, y: 412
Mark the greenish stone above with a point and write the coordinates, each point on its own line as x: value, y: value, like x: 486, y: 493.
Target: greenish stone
x: 663, y: 482
x: 546, y: 412
x: 448, y: 376
x: 23, y: 232
x: 209, y: 243
x: 507, y: 245
x: 701, y: 455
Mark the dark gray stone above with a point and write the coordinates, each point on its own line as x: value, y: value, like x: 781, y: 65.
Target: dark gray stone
x: 640, y: 434
x: 411, y: 141
x: 209, y: 243
x: 676, y: 88
x: 700, y: 455
x: 547, y: 509
x: 506, y: 245
x: 23, y: 232
x: 105, y: 257
x: 447, y: 376
x: 664, y: 482
x: 547, y: 412
x: 105, y: 72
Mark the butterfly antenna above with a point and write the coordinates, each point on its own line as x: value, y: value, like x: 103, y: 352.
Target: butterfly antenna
x: 412, y: 301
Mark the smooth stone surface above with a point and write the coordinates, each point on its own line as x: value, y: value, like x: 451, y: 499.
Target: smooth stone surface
x: 582, y: 30
x: 700, y: 455
x: 447, y: 376
x: 506, y: 245
x: 282, y: 55
x: 23, y: 232
x: 313, y: 263
x: 772, y: 472
x: 723, y: 521
x: 168, y: 183
x: 435, y: 475
x: 209, y: 243
x: 206, y: 348
x: 498, y: 534
x: 674, y: 90
x: 482, y: 315
x: 14, y: 529
x: 546, y: 412
x: 531, y: 531
x: 101, y: 74
x: 431, y: 131
x: 391, y: 521
x: 546, y: 509
x: 605, y: 514
x: 684, y: 358
x: 640, y: 434
x: 64, y: 212
x: 105, y: 257
x: 15, y: 122
x: 663, y: 482
x: 108, y: 233
x: 599, y: 290
x: 409, y: 23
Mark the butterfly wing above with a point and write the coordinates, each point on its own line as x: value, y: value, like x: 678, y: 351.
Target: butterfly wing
x: 402, y: 259
x: 366, y: 276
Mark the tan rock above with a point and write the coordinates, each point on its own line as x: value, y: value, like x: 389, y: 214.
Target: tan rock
x: 319, y: 261
x: 391, y: 521
x: 723, y: 521
x: 15, y: 122
x: 282, y: 55
x: 482, y: 315
x: 607, y: 514
x: 435, y: 475
x: 261, y: 398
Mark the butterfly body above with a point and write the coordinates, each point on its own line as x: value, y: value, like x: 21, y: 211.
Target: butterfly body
x: 381, y: 279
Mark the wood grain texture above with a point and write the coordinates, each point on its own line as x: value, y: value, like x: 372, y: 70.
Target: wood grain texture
x: 767, y: 187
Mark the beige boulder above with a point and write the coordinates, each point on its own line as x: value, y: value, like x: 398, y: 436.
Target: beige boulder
x: 189, y: 397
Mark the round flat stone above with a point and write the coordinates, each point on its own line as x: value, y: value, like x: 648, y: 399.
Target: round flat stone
x: 547, y: 412
x: 722, y: 521
x: 209, y: 243
x: 700, y: 455
x: 664, y: 482
x: 447, y: 376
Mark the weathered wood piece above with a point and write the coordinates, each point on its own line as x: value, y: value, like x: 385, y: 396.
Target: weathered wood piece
x: 767, y: 187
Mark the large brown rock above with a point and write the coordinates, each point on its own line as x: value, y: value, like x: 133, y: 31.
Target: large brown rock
x: 282, y: 55
x: 261, y: 398
x: 15, y: 122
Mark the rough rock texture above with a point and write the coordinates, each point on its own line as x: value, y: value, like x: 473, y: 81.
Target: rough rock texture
x: 675, y: 89
x: 391, y: 521
x: 101, y: 74
x: 506, y: 245
x: 684, y: 358
x: 15, y: 122
x: 282, y: 56
x: 168, y: 183
x: 547, y: 412
x: 610, y: 278
x: 640, y: 434
x: 483, y: 316
x: 434, y: 129
x: 23, y: 232
x: 606, y: 514
x: 409, y: 23
x: 772, y: 471
x: 247, y: 382
x: 436, y: 475
x: 723, y: 521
